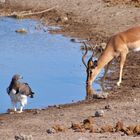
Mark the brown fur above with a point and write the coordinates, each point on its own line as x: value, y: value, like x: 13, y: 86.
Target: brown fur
x: 118, y: 45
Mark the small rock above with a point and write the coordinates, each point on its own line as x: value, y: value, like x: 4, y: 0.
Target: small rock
x: 36, y: 112
x: 102, y: 95
x: 103, y: 45
x: 50, y: 131
x: 23, y: 137
x: 64, y: 18
x: 10, y: 111
x: 2, y: 123
x: 22, y: 31
x: 99, y: 113
x: 108, y: 107
x: 72, y: 40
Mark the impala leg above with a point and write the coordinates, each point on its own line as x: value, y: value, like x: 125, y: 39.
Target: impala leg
x: 106, y: 70
x: 122, y: 61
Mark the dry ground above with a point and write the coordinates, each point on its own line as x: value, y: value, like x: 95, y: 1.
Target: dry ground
x: 97, y: 20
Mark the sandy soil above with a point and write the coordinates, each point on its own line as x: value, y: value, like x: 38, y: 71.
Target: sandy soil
x: 97, y: 20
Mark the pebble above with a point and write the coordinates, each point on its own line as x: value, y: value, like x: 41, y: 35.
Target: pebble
x: 50, y: 131
x: 108, y: 107
x: 102, y: 95
x: 99, y: 113
x: 23, y: 31
x: 23, y: 137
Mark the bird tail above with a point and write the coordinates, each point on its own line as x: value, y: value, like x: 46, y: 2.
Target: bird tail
x: 32, y: 95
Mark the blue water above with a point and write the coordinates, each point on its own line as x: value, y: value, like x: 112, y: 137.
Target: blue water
x: 51, y: 64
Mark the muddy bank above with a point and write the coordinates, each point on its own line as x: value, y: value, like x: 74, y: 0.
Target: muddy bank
x: 103, y: 16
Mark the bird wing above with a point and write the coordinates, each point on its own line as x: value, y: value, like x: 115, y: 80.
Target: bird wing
x: 25, y: 89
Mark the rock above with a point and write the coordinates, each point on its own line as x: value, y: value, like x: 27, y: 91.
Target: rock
x: 22, y: 31
x: 99, y: 113
x: 102, y: 95
x: 103, y: 45
x: 10, y: 111
x: 72, y: 40
x: 36, y: 112
x: 108, y: 107
x: 2, y: 123
x: 50, y: 131
x: 64, y: 18
x: 23, y: 137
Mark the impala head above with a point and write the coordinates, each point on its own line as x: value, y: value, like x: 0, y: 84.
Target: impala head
x: 90, y: 67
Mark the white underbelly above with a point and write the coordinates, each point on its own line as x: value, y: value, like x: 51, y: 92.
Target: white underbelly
x: 18, y: 97
x: 135, y: 46
x: 137, y: 49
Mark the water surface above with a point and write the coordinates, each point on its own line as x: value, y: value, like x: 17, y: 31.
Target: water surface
x: 51, y: 64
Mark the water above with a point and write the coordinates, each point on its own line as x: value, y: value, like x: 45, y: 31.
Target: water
x: 51, y: 64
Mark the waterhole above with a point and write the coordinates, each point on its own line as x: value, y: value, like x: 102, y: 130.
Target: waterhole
x: 50, y: 63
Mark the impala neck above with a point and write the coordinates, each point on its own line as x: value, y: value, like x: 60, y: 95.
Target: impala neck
x: 103, y: 60
x: 105, y: 57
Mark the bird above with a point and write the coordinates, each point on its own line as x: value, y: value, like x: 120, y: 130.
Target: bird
x: 19, y: 92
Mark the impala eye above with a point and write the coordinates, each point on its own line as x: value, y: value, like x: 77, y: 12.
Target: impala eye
x: 90, y: 71
x: 95, y: 63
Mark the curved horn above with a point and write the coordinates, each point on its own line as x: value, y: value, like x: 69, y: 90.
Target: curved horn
x: 83, y: 57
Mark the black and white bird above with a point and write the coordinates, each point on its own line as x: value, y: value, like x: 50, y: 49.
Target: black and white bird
x: 19, y: 92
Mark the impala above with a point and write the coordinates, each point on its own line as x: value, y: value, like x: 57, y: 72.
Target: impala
x: 117, y: 46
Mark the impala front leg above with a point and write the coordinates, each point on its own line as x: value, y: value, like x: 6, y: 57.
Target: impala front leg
x: 105, y: 72
x: 122, y: 61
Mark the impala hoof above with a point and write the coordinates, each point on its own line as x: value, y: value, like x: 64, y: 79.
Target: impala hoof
x: 118, y: 83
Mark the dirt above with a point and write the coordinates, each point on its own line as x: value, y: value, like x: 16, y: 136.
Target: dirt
x: 96, y: 20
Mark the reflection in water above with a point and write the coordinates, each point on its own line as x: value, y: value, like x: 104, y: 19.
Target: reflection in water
x: 90, y: 65
x: 89, y: 92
